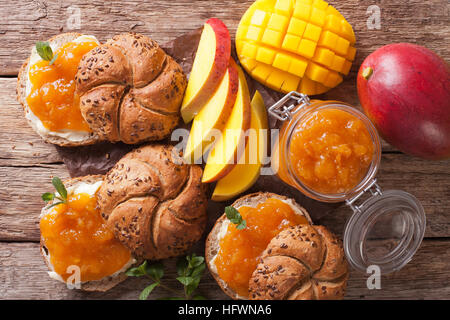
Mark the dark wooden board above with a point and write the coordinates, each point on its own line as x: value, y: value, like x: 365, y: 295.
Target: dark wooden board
x: 24, y: 275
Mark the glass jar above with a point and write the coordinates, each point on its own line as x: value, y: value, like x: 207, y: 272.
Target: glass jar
x: 386, y: 228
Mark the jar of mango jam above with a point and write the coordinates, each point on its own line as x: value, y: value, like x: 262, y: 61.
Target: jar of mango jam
x: 331, y: 152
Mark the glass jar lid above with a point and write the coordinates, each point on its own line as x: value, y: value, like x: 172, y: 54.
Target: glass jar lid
x: 385, y: 230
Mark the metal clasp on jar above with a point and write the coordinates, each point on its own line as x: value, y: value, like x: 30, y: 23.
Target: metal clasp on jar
x: 283, y: 112
x: 372, y: 187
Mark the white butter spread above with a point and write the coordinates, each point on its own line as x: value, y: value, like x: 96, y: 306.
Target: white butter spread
x: 71, y: 135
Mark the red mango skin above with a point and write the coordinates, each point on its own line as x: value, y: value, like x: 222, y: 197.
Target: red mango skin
x: 407, y: 97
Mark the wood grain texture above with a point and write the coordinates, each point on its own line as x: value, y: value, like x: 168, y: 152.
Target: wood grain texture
x: 21, y: 187
x: 24, y: 275
x: 417, y: 21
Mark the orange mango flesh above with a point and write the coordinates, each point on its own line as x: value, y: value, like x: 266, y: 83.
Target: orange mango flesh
x: 240, y: 249
x: 75, y: 234
x: 52, y: 98
x: 301, y: 45
x: 331, y: 151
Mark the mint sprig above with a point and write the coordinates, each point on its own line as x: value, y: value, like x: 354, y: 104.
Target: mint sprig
x: 61, y: 193
x: 189, y: 269
x: 235, y: 217
x: 45, y: 51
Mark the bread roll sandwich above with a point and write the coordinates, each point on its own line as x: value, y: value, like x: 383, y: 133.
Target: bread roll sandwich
x: 154, y: 203
x: 76, y: 244
x: 130, y: 90
x: 46, y: 90
x: 277, y: 255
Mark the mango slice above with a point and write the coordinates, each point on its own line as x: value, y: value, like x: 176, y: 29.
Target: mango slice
x: 301, y: 45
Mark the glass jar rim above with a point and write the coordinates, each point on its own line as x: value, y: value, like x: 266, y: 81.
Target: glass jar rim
x: 373, y: 169
x: 406, y: 224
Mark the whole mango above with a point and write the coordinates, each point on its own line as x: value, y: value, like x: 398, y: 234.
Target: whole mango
x: 405, y: 90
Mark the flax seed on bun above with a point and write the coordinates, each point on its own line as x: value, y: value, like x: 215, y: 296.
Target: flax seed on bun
x: 303, y: 262
x: 66, y: 139
x: 154, y: 203
x: 221, y: 225
x: 130, y: 90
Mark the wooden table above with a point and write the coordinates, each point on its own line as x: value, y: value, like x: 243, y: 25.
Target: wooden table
x: 26, y: 163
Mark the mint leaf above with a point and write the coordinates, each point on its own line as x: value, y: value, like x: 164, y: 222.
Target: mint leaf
x: 198, y: 297
x: 48, y: 196
x: 155, y: 270
x: 235, y: 217
x: 59, y: 186
x: 53, y: 59
x: 182, y: 265
x: 137, y: 271
x: 44, y: 50
x: 198, y: 270
x: 55, y: 204
x: 241, y: 225
x: 185, y: 280
x: 195, y: 261
x: 190, y: 288
x: 172, y: 298
x: 146, y: 292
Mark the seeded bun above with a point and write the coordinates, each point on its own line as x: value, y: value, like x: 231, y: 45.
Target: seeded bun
x: 154, y: 203
x: 212, y: 242
x: 97, y: 285
x: 130, y: 90
x: 303, y: 262
x: 21, y: 91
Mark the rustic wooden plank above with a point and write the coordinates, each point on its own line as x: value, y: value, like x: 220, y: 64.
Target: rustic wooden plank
x: 23, y: 276
x: 20, y: 144
x: 20, y: 197
x: 21, y: 187
x: 428, y: 181
x: 22, y: 25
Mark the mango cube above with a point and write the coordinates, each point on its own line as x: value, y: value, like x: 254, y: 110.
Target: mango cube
x: 332, y: 80
x: 316, y: 72
x: 282, y: 61
x: 328, y: 39
x: 338, y: 63
x: 283, y: 7
x: 272, y: 38
x: 290, y: 83
x: 307, y: 48
x: 297, y: 27
x: 304, y: 45
x: 259, y: 18
x: 291, y: 43
x: 275, y: 79
x: 324, y: 57
x: 302, y: 11
x: 333, y: 24
x: 261, y: 72
x: 254, y: 33
x: 265, y: 55
x: 320, y: 4
x: 298, y: 66
x: 249, y: 50
x: 278, y: 22
x: 318, y: 17
x: 312, y: 32
x: 342, y: 46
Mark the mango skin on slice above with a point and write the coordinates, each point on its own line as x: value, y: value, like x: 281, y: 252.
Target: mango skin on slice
x: 301, y: 45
